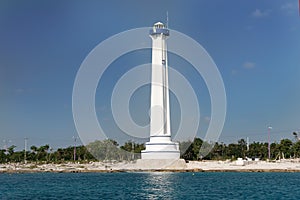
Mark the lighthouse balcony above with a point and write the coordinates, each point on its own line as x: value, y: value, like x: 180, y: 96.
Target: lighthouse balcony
x: 158, y: 31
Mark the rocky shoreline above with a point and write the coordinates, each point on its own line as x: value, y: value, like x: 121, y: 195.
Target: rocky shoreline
x: 192, y: 166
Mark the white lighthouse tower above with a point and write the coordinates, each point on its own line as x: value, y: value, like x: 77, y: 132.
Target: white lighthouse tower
x: 160, y: 145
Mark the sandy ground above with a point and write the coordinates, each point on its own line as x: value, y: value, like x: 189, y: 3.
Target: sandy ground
x: 283, y: 165
x: 209, y: 166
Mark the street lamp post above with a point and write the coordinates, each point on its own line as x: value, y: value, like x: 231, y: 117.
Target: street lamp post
x: 269, y: 145
x: 25, y: 149
x: 75, y: 138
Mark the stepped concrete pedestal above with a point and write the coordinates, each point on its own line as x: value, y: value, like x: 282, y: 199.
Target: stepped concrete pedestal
x: 158, y: 164
x: 161, y: 147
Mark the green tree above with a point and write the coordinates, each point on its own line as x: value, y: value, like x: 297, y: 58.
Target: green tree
x: 296, y: 149
x: 242, y: 146
x: 285, y: 147
x: 105, y: 150
x: 192, y: 152
x: 3, y: 156
x: 11, y: 150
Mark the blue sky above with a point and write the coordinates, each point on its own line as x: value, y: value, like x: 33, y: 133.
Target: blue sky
x: 255, y: 45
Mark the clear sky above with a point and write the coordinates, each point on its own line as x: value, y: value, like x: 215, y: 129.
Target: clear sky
x: 255, y: 44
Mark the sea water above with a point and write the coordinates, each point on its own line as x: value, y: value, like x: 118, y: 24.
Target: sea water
x: 159, y: 185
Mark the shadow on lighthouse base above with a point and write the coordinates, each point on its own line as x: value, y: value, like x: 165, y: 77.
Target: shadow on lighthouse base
x: 161, y: 164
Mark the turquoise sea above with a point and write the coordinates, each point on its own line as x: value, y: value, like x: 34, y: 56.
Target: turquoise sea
x: 213, y: 185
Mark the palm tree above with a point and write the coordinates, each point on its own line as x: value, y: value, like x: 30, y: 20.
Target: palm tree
x: 297, y: 138
x: 11, y: 150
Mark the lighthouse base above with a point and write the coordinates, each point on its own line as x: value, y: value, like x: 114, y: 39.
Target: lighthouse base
x: 161, y: 148
x: 159, y: 164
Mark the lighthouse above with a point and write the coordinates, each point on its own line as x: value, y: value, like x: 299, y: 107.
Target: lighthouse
x: 160, y: 145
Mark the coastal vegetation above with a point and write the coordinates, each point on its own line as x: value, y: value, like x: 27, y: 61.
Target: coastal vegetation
x: 108, y: 150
